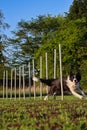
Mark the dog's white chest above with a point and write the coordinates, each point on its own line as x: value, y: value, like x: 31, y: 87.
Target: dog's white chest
x: 71, y: 84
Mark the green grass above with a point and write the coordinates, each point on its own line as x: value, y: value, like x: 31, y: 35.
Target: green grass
x: 30, y: 114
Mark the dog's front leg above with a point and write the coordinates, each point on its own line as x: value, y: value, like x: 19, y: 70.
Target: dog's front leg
x: 76, y: 94
x: 81, y: 91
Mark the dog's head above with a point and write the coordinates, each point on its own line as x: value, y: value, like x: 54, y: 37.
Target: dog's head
x: 75, y: 78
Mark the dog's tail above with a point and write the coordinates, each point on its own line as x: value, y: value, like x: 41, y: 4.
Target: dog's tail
x: 45, y: 81
x: 36, y: 79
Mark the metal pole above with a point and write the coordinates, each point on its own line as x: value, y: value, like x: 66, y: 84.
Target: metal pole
x: 40, y: 77
x: 34, y: 81
x: 11, y: 82
x: 60, y: 59
x: 46, y: 69
x: 15, y: 81
x: 19, y: 81
x: 23, y: 81
x: 4, y: 84
x: 54, y: 63
x: 29, y: 66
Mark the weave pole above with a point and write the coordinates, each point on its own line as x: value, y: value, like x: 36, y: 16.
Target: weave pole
x: 40, y: 77
x: 6, y: 84
x: 46, y: 69
x: 3, y: 84
x: 11, y: 83
x: 15, y: 81
x: 23, y: 75
x: 29, y: 70
x: 19, y: 81
x: 54, y: 63
x: 34, y: 81
x: 60, y: 60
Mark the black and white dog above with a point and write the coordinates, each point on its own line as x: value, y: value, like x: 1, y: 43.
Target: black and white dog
x: 70, y: 84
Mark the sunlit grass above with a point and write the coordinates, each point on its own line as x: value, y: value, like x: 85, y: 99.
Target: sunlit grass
x: 37, y: 114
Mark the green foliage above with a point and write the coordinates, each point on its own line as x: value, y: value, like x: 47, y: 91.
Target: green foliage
x: 3, y: 42
x: 78, y: 9
x: 44, y: 34
x: 72, y: 36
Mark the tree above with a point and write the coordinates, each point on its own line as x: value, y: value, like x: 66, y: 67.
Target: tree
x: 30, y: 36
x: 72, y: 36
x: 78, y: 9
x: 3, y: 38
x: 36, y: 37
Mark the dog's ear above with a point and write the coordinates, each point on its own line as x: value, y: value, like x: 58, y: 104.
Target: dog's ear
x: 78, y: 76
x: 70, y: 74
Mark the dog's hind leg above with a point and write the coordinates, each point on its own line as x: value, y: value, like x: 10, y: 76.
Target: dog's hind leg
x: 46, y: 97
x: 54, y: 95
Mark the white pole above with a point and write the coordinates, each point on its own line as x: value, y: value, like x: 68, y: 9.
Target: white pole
x: 46, y: 69
x: 40, y: 77
x: 29, y: 66
x: 3, y: 84
x: 54, y: 63
x: 19, y: 81
x: 23, y: 81
x: 6, y: 84
x: 60, y: 59
x: 34, y: 81
x: 15, y: 81
x: 11, y: 82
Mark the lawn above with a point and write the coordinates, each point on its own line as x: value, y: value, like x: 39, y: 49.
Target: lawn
x: 30, y: 114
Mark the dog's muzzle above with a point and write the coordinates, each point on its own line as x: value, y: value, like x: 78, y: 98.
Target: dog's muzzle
x: 76, y: 82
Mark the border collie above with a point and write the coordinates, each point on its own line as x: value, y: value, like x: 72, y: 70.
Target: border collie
x: 70, y: 84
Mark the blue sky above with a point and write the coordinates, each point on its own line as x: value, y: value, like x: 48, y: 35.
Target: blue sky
x: 15, y: 10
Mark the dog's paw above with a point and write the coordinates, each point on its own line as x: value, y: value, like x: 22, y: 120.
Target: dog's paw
x: 84, y: 98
